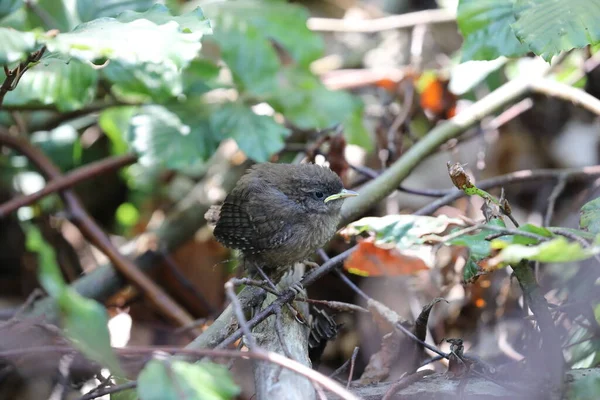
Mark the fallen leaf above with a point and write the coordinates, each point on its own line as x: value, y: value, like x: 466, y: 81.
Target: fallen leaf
x: 372, y: 260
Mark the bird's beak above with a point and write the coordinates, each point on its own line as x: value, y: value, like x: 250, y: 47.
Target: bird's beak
x: 341, y: 195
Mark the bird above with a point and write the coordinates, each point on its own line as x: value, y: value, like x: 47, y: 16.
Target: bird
x: 280, y: 214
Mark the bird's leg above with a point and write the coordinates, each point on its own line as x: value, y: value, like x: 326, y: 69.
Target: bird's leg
x: 266, y: 278
x: 297, y: 314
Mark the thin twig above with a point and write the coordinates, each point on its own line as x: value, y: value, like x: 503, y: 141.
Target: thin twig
x: 398, y: 325
x: 352, y: 364
x: 400, y: 21
x: 371, y: 173
x: 262, y: 355
x: 109, y: 390
x: 253, y: 282
x: 568, y: 93
x: 343, y: 367
x: 279, y: 332
x: 67, y: 181
x: 351, y: 284
x: 566, y: 233
x: 289, y: 295
x: 239, y: 314
x: 405, y: 382
x: 522, y: 176
x: 185, y: 282
x: 13, y: 76
x: 556, y: 192
x: 500, y: 231
x: 431, y: 360
x: 337, y: 305
x: 160, y: 299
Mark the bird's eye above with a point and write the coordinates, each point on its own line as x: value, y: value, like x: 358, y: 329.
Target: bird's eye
x: 319, y: 195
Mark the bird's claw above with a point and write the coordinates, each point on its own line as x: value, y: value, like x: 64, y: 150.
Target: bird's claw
x: 311, y: 264
x: 297, y: 288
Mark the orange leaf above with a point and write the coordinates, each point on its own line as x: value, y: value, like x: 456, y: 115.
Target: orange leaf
x: 372, y: 260
x: 437, y: 99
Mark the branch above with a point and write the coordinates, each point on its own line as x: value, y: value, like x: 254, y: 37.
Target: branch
x: 67, y: 181
x: 388, y: 181
x: 270, y: 382
x: 178, y: 227
x: 567, y: 93
x: 13, y: 76
x: 260, y: 355
x: 407, y: 20
x: 159, y: 298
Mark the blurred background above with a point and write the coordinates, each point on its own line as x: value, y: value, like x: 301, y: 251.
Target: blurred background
x: 168, y: 129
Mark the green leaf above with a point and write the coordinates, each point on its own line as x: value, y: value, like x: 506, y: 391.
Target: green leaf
x: 85, y: 322
x: 252, y: 59
x: 404, y: 230
x: 485, y: 26
x: 163, y: 138
x: 91, y: 9
x: 68, y: 86
x: 114, y: 122
x: 354, y: 128
x: 144, y: 82
x: 258, y: 136
x: 538, y: 230
x: 9, y: 6
x: 308, y: 104
x: 586, y: 387
x: 48, y: 270
x: 589, y: 216
x: 175, y: 380
x: 280, y: 21
x: 553, y: 251
x: 59, y: 144
x: 471, y: 271
x: 552, y: 26
x: 193, y: 21
x: 129, y: 394
x: 15, y: 45
x: 479, y: 247
x: 200, y: 77
x: 53, y: 14
x: 146, y: 42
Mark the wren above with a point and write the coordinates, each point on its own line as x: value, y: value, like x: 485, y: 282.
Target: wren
x: 280, y: 214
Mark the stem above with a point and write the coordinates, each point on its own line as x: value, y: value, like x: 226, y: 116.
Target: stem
x: 378, y: 189
x: 552, y: 359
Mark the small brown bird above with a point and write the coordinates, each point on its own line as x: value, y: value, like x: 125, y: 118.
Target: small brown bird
x: 280, y: 214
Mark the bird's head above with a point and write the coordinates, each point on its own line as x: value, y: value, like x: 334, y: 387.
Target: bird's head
x: 315, y: 188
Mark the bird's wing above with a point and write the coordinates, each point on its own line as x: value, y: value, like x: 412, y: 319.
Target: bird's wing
x: 247, y: 225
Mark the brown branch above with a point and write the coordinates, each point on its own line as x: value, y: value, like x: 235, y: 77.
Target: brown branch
x: 186, y: 283
x: 261, y: 355
x: 13, y: 76
x: 67, y: 181
x: 159, y: 298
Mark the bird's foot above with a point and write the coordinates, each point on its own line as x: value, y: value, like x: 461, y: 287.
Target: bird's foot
x: 310, y: 264
x: 297, y: 288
